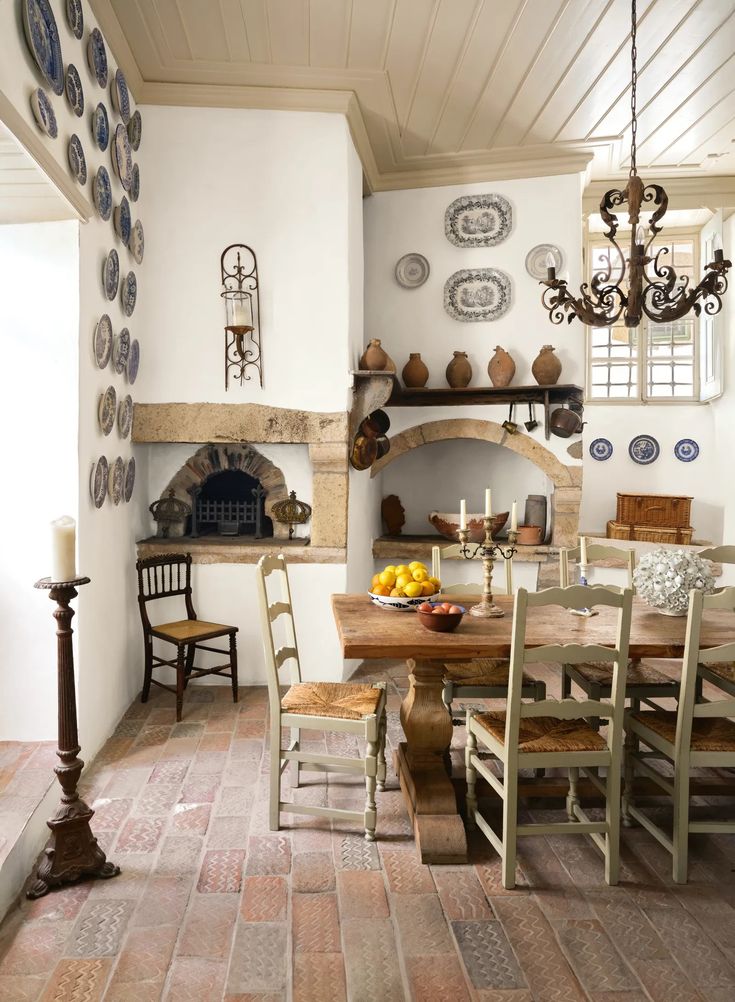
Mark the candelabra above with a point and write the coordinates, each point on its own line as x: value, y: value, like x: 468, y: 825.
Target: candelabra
x: 489, y: 550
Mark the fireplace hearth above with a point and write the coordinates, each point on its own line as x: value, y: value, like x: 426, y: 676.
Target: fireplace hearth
x: 230, y: 503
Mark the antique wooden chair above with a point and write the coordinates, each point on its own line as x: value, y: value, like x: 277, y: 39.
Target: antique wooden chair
x: 644, y: 681
x: 483, y: 678
x: 720, y: 674
x: 553, y: 732
x: 694, y: 736
x: 326, y: 706
x: 168, y: 576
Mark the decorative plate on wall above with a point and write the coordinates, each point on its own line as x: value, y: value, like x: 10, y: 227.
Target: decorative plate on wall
x: 43, y: 112
x: 478, y: 220
x: 644, y: 449
x: 121, y: 351
x: 75, y: 17
x: 129, y: 293
x: 107, y: 409
x: 412, y: 270
x: 77, y: 160
x: 477, y: 294
x: 601, y: 449
x: 122, y: 220
x: 125, y: 416
x: 101, y: 126
x: 98, y: 481
x: 686, y: 450
x: 42, y: 37
x: 111, y: 274
x: 102, y: 341
x: 74, y: 90
x: 97, y: 56
x: 129, y: 479
x: 536, y: 260
x: 137, y: 241
x: 120, y: 95
x: 116, y: 480
x: 102, y: 193
x: 135, y: 184
x: 135, y: 130
x: 133, y: 361
x: 122, y: 156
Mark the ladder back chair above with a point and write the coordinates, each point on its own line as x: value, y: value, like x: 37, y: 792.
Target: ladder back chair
x: 326, y: 706
x: 720, y: 674
x: 483, y: 678
x: 695, y: 736
x: 553, y: 732
x: 644, y: 681
x: 169, y: 576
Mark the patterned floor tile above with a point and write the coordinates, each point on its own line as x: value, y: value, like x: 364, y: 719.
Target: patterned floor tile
x: 259, y: 959
x: 234, y: 801
x: 210, y: 923
x: 172, y: 772
x: 371, y: 961
x: 487, y: 955
x: 33, y: 948
x: 63, y: 903
x: 433, y: 978
x: 140, y: 835
x: 264, y: 899
x: 146, y: 954
x: 312, y: 872
x: 192, y: 818
x: 164, y: 901
x: 221, y: 871
x: 194, y: 979
x: 179, y: 854
x: 361, y: 894
x: 352, y: 852
x: 268, y: 854
x: 461, y: 894
x: 319, y: 977
x: 315, y: 923
x: 227, y: 833
x: 110, y: 814
x: 422, y: 928
x: 99, y: 929
x: 406, y: 875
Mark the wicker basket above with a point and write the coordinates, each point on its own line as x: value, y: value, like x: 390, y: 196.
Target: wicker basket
x: 667, y: 510
x: 650, y: 534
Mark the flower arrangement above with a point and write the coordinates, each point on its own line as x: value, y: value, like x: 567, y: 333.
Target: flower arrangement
x: 664, y: 579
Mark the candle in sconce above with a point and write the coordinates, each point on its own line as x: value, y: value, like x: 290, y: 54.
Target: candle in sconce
x: 488, y: 503
x: 514, y: 517
x: 463, y: 514
x: 583, y: 550
x: 63, y: 549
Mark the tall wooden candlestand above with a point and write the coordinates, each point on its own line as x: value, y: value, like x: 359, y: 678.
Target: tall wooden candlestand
x: 72, y: 851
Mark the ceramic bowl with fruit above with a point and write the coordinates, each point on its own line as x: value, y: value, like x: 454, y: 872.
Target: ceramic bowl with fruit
x: 440, y: 617
x: 403, y: 587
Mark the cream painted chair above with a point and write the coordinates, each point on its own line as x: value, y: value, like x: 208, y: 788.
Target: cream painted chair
x: 719, y: 674
x: 644, y: 682
x: 695, y: 736
x: 553, y: 732
x: 483, y: 678
x: 326, y: 706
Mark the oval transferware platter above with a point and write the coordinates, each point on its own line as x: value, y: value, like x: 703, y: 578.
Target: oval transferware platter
x: 98, y: 481
x: 74, y: 90
x: 129, y: 293
x: 644, y: 449
x: 75, y: 17
x: 122, y: 156
x: 536, y: 265
x: 122, y: 351
x: 133, y: 361
x: 111, y: 274
x: 42, y: 37
x: 135, y: 130
x: 77, y: 160
x: 101, y: 127
x: 135, y: 184
x: 122, y: 220
x: 473, y: 294
x: 43, y: 112
x: 686, y: 450
x: 125, y: 416
x: 478, y: 220
x: 116, y: 480
x: 103, y: 193
x: 97, y: 56
x: 120, y: 95
x: 412, y: 270
x: 601, y: 449
x: 129, y: 479
x: 107, y: 409
x: 102, y: 342
x: 137, y: 241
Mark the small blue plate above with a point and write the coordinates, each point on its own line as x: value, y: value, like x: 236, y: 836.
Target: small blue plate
x: 686, y: 449
x: 601, y: 449
x: 75, y: 17
x: 644, y: 449
x: 97, y: 56
x: 135, y: 184
x: 111, y: 275
x: 101, y: 127
x: 135, y: 130
x: 129, y: 293
x: 74, y: 90
x: 120, y: 95
x: 103, y: 193
x: 123, y: 220
x: 43, y: 112
x: 122, y: 157
x: 77, y: 160
x: 42, y: 36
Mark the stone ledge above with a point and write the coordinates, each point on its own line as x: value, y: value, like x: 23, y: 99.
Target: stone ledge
x: 222, y: 550
x: 203, y: 423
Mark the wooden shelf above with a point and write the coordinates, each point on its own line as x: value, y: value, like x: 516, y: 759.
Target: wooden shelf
x: 414, y: 547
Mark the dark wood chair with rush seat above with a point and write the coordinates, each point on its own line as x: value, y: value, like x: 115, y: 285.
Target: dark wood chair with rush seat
x: 167, y: 576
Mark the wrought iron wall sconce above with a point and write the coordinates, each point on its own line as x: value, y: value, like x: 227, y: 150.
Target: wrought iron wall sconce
x: 239, y: 268
x: 291, y: 512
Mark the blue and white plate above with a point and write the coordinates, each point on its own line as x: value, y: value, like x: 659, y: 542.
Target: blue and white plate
x: 122, y: 351
x: 478, y: 220
x: 125, y: 416
x: 129, y: 293
x: 129, y: 479
x: 102, y: 193
x: 74, y: 90
x: 77, y: 160
x: 120, y: 95
x: 116, y: 480
x: 135, y: 184
x: 107, y: 409
x: 101, y: 126
x: 102, y: 342
x: 137, y: 241
x: 75, y: 17
x: 111, y: 274
x: 135, y: 130
x: 98, y: 481
x: 644, y: 449
x: 473, y: 294
x: 42, y: 37
x: 43, y: 112
x: 122, y: 157
x: 97, y: 56
x: 122, y: 220
x: 601, y: 449
x: 686, y: 449
x: 133, y: 361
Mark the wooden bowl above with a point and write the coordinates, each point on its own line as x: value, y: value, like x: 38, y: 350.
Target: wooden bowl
x: 448, y: 525
x: 441, y: 623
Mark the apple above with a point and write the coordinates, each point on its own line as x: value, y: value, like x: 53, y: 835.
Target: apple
x: 439, y: 611
x: 456, y: 608
x: 447, y: 606
x: 426, y: 607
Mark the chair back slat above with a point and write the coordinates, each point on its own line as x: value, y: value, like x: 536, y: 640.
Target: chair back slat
x: 715, y: 655
x: 165, y: 575
x: 578, y: 597
x: 718, y: 554
x: 280, y: 609
x: 569, y: 654
x: 567, y: 709
x: 276, y: 609
x: 595, y: 552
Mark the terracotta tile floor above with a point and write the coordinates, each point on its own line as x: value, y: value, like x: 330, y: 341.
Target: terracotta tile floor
x: 211, y: 905
x: 25, y: 776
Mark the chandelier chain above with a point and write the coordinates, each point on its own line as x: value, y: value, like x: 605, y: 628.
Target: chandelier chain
x: 633, y: 88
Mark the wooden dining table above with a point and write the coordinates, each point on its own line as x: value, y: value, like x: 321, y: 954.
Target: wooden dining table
x: 368, y: 632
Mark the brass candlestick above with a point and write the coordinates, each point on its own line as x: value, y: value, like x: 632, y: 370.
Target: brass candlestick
x: 487, y: 609
x: 72, y: 851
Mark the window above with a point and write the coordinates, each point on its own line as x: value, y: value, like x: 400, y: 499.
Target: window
x: 652, y: 361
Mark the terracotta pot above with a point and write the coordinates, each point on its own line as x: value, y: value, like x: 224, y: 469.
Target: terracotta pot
x: 415, y: 372
x: 530, y: 535
x: 459, y: 371
x: 546, y: 367
x: 501, y: 368
x: 374, y: 359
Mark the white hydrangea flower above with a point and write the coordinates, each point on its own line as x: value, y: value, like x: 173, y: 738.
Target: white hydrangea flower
x: 664, y: 578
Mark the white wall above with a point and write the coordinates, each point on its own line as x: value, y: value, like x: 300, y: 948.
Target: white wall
x: 38, y: 417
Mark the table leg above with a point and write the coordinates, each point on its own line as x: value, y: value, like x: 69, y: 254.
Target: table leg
x: 419, y: 763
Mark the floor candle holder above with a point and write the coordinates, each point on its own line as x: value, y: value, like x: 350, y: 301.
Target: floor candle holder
x: 488, y: 550
x: 72, y: 851
x: 586, y: 613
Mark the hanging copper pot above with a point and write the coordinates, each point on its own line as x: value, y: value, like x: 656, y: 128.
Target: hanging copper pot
x: 364, y: 452
x: 565, y: 422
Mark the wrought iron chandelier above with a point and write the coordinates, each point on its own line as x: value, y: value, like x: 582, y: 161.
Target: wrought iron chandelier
x: 657, y: 291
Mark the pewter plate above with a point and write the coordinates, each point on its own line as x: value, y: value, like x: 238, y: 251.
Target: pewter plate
x: 116, y: 481
x: 121, y: 351
x: 102, y: 342
x: 412, y: 270
x: 474, y: 294
x: 129, y: 479
x: 125, y: 416
x: 98, y: 481
x: 536, y: 260
x: 478, y: 220
x: 107, y: 410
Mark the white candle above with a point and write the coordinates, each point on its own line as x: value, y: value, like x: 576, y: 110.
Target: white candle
x: 583, y: 550
x: 514, y: 517
x: 242, y: 313
x: 463, y: 514
x: 488, y: 503
x: 63, y: 549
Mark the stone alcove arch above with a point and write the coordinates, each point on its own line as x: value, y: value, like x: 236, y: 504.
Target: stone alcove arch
x: 567, y: 480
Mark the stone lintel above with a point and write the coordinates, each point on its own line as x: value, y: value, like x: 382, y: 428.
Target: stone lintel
x: 259, y: 423
x: 328, y: 457
x: 216, y: 550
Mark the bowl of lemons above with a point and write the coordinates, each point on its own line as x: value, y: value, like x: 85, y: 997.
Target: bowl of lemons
x: 403, y: 587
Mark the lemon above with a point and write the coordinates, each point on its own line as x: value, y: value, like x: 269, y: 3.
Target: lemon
x: 390, y: 567
x: 427, y: 588
x: 420, y: 574
x: 436, y: 582
x: 375, y: 580
x: 396, y: 593
x: 402, y: 569
x: 380, y: 589
x: 416, y: 565
x: 387, y: 578
x: 402, y: 580
x: 413, y: 590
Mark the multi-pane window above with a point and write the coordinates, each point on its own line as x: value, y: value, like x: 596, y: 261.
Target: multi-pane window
x: 652, y: 361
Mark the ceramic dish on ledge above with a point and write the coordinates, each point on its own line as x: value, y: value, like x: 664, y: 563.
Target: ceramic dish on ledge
x: 396, y: 604
x: 448, y: 525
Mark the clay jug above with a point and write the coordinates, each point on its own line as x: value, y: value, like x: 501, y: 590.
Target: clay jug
x: 501, y: 368
x: 374, y: 359
x: 459, y: 371
x: 546, y: 366
x: 415, y: 372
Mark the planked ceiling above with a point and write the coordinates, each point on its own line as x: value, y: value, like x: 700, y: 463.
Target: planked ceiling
x: 441, y: 91
x: 26, y: 194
